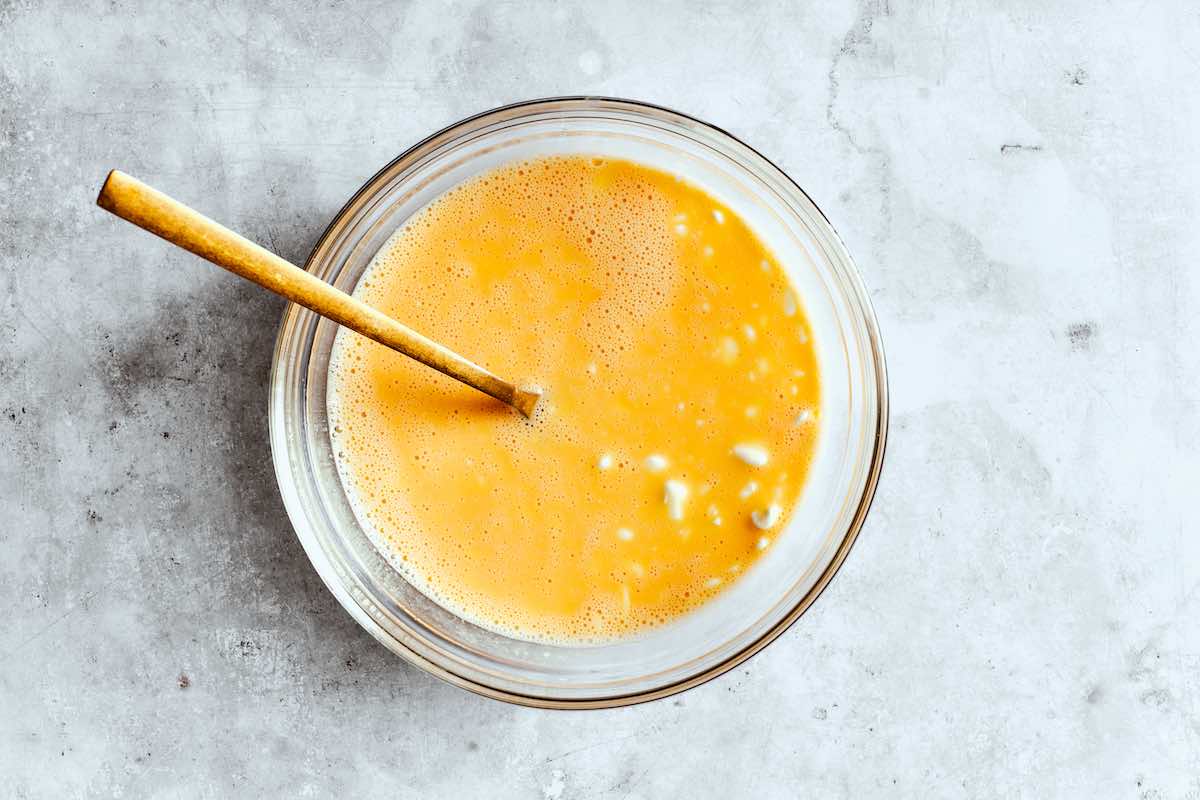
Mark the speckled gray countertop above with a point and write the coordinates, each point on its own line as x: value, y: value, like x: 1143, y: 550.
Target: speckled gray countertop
x: 1020, y: 185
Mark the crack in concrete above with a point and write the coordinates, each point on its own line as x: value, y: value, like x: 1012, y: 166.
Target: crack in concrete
x: 858, y: 34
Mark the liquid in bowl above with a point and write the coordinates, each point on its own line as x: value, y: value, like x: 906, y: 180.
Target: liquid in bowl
x: 682, y: 405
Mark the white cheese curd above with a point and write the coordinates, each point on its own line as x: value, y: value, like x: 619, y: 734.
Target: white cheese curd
x: 753, y: 454
x: 675, y: 493
x: 765, y: 520
x: 656, y: 463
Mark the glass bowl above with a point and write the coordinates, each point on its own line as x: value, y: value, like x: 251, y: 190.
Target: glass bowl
x: 754, y: 610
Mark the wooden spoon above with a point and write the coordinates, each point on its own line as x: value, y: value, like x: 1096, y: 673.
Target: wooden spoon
x: 163, y: 216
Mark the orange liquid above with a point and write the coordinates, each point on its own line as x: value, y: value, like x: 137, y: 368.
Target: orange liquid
x: 674, y: 357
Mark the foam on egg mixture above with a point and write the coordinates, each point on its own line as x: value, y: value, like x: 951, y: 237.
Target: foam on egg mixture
x: 680, y: 413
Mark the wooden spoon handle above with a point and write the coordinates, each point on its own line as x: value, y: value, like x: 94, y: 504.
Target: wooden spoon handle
x: 148, y: 208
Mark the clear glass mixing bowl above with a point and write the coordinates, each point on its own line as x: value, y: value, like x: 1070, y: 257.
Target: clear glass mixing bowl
x: 768, y: 597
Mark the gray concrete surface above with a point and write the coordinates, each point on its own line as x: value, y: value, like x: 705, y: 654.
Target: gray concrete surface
x: 1020, y: 184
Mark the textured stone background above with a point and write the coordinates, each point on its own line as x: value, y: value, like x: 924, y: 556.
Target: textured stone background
x: 1020, y: 184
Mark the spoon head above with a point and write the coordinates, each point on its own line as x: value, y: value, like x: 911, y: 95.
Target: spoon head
x: 524, y: 400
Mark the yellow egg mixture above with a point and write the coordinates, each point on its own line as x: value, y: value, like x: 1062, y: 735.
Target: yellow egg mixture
x: 679, y: 417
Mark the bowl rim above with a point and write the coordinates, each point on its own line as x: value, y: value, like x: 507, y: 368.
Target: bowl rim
x: 295, y: 510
